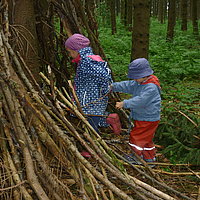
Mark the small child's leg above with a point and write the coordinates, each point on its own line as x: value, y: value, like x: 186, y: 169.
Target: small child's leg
x: 149, y: 152
x: 94, y: 121
x: 141, y: 138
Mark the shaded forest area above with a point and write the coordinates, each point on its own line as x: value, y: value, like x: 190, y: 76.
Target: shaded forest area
x: 42, y: 131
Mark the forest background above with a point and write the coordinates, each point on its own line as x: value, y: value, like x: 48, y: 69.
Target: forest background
x: 177, y: 65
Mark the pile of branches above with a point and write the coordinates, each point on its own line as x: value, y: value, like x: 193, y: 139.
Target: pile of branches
x: 41, y: 135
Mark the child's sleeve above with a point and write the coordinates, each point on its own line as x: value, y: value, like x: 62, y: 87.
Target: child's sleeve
x: 124, y: 87
x: 149, y: 91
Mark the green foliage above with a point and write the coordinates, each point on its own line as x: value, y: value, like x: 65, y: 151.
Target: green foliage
x: 175, y: 61
x: 117, y: 48
x: 177, y: 130
x: 177, y: 65
x: 116, y: 161
x: 103, y: 14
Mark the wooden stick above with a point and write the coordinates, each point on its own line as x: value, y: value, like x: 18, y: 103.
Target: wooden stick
x: 91, y: 182
x: 188, y: 118
x: 14, y: 186
x: 198, y: 198
x: 15, y: 174
x: 105, y: 175
x: 75, y: 96
x: 177, y: 173
x: 195, y: 173
x: 21, y: 130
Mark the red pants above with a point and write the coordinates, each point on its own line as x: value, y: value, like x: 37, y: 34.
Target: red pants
x: 141, y: 138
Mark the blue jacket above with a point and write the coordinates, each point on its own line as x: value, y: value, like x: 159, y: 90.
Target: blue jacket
x: 145, y: 102
x: 92, y: 82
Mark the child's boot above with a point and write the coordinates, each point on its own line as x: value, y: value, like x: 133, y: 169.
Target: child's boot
x: 150, y: 161
x: 131, y: 158
x: 114, y: 121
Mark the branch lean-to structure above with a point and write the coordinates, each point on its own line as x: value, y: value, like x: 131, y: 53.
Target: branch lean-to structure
x: 40, y: 156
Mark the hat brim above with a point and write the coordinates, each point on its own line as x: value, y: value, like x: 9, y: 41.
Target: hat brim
x: 133, y: 75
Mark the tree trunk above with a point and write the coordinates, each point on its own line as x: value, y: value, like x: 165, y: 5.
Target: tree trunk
x: 129, y: 14
x: 27, y: 40
x: 194, y: 18
x: 113, y: 16
x: 118, y: 2
x: 122, y: 17
x: 171, y: 20
x: 198, y: 9
x: 90, y: 10
x: 154, y: 8
x: 161, y: 11
x: 178, y: 10
x: 140, y: 35
x: 184, y: 8
x: 165, y: 8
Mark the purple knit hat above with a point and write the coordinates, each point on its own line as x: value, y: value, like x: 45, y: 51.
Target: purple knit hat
x: 139, y: 68
x: 77, y: 42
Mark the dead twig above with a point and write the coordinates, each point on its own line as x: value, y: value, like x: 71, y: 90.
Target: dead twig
x: 188, y: 118
x: 14, y: 186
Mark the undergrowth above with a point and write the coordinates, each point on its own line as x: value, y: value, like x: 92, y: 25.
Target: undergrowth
x: 177, y: 65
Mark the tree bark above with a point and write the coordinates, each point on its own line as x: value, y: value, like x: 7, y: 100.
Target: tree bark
x: 27, y: 40
x: 130, y: 14
x: 171, y: 20
x: 154, y: 6
x: 184, y: 7
x: 178, y: 10
x: 161, y: 11
x: 122, y: 11
x: 90, y: 10
x: 113, y: 16
x: 140, y: 34
x: 194, y: 18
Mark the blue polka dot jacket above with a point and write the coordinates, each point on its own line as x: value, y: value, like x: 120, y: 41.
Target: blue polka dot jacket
x: 92, y: 82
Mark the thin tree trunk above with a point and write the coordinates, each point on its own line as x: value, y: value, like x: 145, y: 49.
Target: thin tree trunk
x: 184, y: 7
x: 178, y: 10
x: 113, y: 16
x: 140, y: 34
x: 122, y: 17
x: 171, y: 20
x: 194, y: 18
x: 165, y: 9
x: 118, y: 2
x: 90, y: 10
x: 154, y: 8
x: 161, y: 11
x: 130, y: 14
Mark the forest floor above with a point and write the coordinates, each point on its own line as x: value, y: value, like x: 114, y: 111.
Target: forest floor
x: 184, y: 178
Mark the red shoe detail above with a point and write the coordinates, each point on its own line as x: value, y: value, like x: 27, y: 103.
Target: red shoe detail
x: 113, y: 120
x: 86, y: 154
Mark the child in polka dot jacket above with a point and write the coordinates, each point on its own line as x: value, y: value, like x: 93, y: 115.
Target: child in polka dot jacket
x: 92, y: 78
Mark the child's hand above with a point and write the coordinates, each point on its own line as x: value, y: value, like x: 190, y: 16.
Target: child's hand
x: 119, y: 105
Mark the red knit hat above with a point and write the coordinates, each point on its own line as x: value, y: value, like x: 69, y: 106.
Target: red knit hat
x: 77, y: 42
